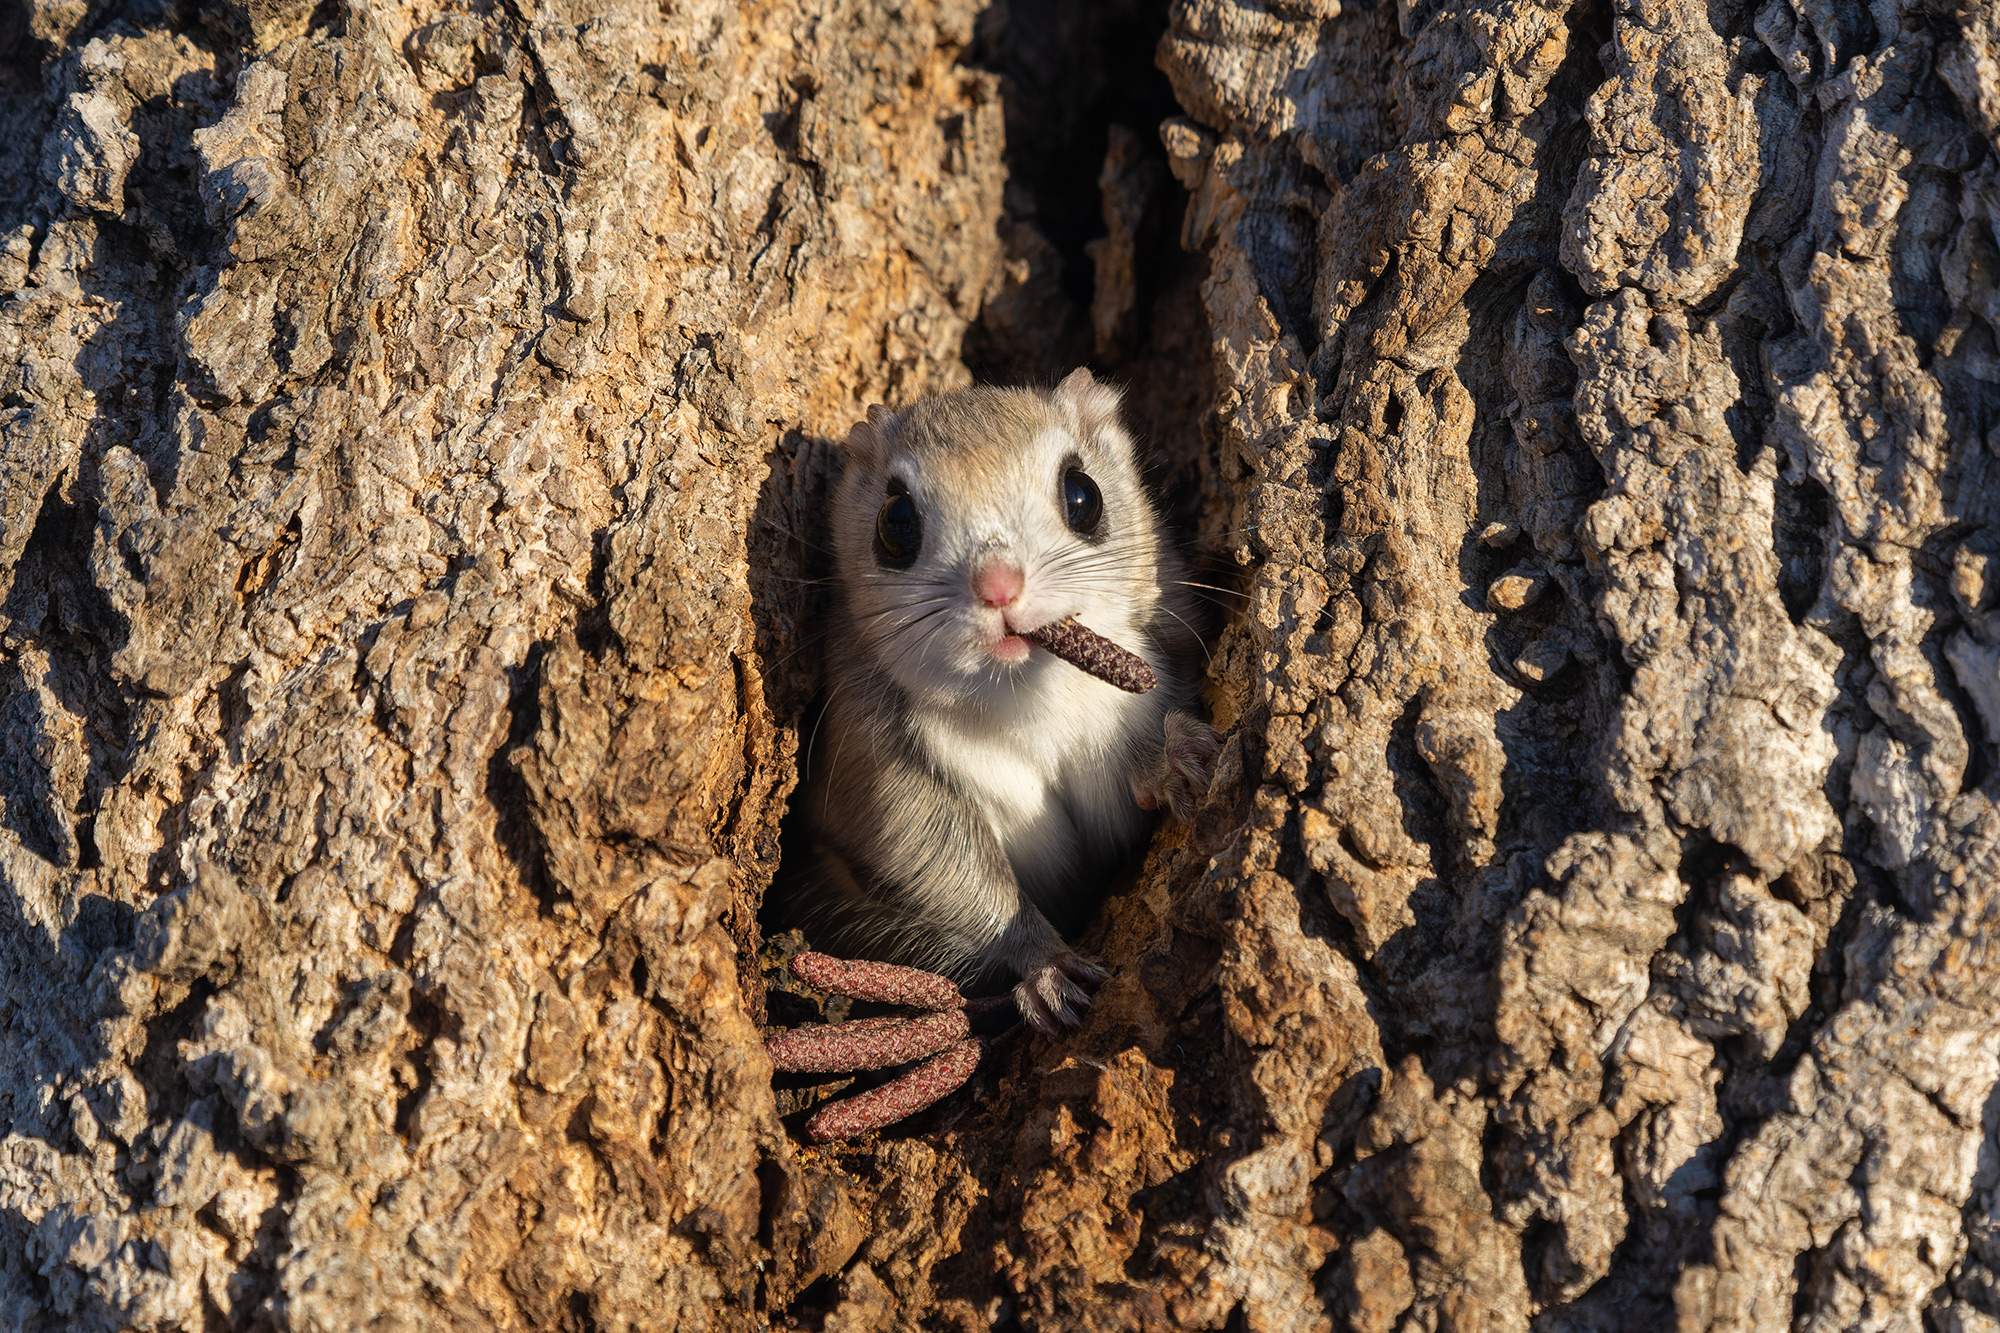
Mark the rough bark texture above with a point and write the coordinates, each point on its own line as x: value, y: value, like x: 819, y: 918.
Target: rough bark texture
x: 413, y: 434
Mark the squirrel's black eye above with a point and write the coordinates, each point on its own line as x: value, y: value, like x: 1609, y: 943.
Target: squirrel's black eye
x: 899, y: 532
x: 1082, y: 505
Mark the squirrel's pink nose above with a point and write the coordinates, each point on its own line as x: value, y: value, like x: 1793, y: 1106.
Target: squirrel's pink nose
x: 997, y: 583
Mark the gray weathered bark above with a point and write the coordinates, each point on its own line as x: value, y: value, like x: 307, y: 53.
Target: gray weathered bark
x: 414, y: 426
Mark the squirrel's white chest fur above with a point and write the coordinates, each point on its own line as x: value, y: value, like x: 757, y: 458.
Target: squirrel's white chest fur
x: 1048, y: 763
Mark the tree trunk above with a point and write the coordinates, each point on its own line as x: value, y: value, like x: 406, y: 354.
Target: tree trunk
x: 414, y: 438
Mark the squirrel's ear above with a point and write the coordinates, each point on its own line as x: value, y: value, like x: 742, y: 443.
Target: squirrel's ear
x: 1088, y: 405
x: 866, y: 440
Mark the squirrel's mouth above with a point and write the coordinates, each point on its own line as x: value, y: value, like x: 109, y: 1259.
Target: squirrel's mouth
x: 1011, y: 649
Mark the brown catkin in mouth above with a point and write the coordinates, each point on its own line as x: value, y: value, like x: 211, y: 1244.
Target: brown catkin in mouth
x: 930, y: 1081
x: 1092, y: 653
x: 842, y: 1048
x: 884, y: 983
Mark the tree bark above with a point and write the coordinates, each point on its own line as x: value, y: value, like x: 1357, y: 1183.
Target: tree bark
x: 414, y: 436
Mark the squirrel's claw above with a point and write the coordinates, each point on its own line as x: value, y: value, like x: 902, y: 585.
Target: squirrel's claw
x: 1184, y: 770
x: 1053, y: 997
x: 1192, y: 749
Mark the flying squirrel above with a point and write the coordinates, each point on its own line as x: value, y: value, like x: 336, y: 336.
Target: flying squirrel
x: 968, y: 792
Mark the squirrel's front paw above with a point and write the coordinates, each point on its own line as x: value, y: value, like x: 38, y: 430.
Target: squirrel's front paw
x: 1189, y: 766
x: 1053, y: 997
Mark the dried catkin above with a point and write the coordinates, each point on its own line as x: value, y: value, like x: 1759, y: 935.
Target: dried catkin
x: 1092, y: 653
x: 935, y: 1078
x: 884, y: 983
x: 839, y: 1048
